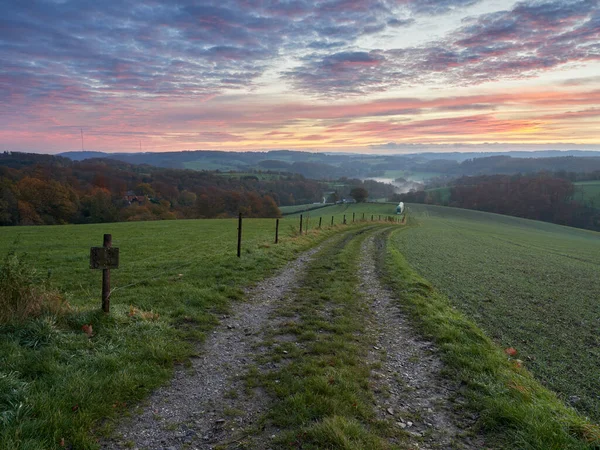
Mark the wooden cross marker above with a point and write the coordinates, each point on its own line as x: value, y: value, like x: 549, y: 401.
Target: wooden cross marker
x: 105, y: 258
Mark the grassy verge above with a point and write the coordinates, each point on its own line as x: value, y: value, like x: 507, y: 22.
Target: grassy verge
x: 321, y: 385
x: 64, y: 374
x: 515, y: 409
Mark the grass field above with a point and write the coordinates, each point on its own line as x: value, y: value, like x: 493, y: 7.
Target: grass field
x: 588, y: 192
x: 56, y: 382
x: 339, y: 211
x: 287, y: 210
x: 530, y: 285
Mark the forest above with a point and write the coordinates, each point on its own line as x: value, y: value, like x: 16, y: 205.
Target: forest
x: 43, y: 189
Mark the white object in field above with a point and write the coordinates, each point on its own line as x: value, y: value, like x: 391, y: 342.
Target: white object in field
x: 400, y: 208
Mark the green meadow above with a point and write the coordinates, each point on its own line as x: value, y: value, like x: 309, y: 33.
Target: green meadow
x: 529, y: 285
x: 588, y: 192
x: 57, y: 383
x: 476, y: 283
x: 349, y: 210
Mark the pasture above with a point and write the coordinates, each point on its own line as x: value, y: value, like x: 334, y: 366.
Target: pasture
x: 529, y: 285
x: 175, y: 278
x: 588, y: 192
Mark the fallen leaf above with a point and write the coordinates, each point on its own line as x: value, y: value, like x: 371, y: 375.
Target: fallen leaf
x: 510, y: 351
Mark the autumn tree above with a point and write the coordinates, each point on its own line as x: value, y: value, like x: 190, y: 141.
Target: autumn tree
x: 359, y: 194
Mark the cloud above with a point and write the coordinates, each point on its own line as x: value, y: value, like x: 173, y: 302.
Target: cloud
x: 165, y: 69
x: 533, y: 37
x: 93, y: 52
x: 438, y: 7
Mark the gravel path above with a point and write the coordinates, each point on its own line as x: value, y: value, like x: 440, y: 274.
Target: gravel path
x: 206, y: 404
x: 408, y: 387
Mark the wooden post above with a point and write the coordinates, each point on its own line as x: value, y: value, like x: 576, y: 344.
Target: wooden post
x: 301, y: 219
x: 344, y: 222
x: 307, y: 219
x: 277, y: 231
x: 363, y: 216
x: 320, y: 222
x: 105, y: 258
x: 239, y: 248
x: 353, y: 217
x: 106, y: 277
x: 371, y: 217
x: 331, y: 220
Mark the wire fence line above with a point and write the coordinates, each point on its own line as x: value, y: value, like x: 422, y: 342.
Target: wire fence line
x: 303, y: 228
x: 139, y: 267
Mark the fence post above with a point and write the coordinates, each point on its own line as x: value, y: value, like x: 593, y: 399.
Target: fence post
x: 307, y: 219
x: 277, y: 231
x: 363, y: 216
x: 371, y: 217
x: 331, y: 220
x: 320, y: 222
x: 344, y: 219
x: 239, y: 247
x: 353, y: 217
x: 301, y: 220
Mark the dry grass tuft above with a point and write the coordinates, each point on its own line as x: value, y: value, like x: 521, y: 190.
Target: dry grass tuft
x: 24, y: 295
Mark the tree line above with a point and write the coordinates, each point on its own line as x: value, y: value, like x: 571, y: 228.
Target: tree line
x: 542, y: 196
x: 44, y: 189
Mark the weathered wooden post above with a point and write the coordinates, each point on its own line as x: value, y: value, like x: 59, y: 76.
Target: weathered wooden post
x: 301, y: 224
x: 105, y: 258
x: 363, y: 216
x: 277, y: 231
x: 344, y: 219
x: 331, y: 220
x: 239, y: 248
x: 371, y: 217
x: 353, y: 217
x: 320, y: 222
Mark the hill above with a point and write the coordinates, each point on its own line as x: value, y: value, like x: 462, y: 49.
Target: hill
x: 44, y: 189
x: 316, y: 363
x: 530, y: 285
x: 412, y: 167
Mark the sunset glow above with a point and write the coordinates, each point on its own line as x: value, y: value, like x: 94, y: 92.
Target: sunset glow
x: 334, y: 75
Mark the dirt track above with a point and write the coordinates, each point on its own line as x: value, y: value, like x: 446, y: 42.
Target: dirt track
x: 207, y: 404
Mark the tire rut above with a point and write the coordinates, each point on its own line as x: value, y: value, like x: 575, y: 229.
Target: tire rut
x: 410, y: 391
x: 206, y: 404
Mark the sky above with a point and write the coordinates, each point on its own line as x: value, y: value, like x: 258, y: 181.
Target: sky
x: 369, y: 76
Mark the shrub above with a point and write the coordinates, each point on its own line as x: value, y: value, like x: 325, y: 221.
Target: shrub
x: 23, y: 294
